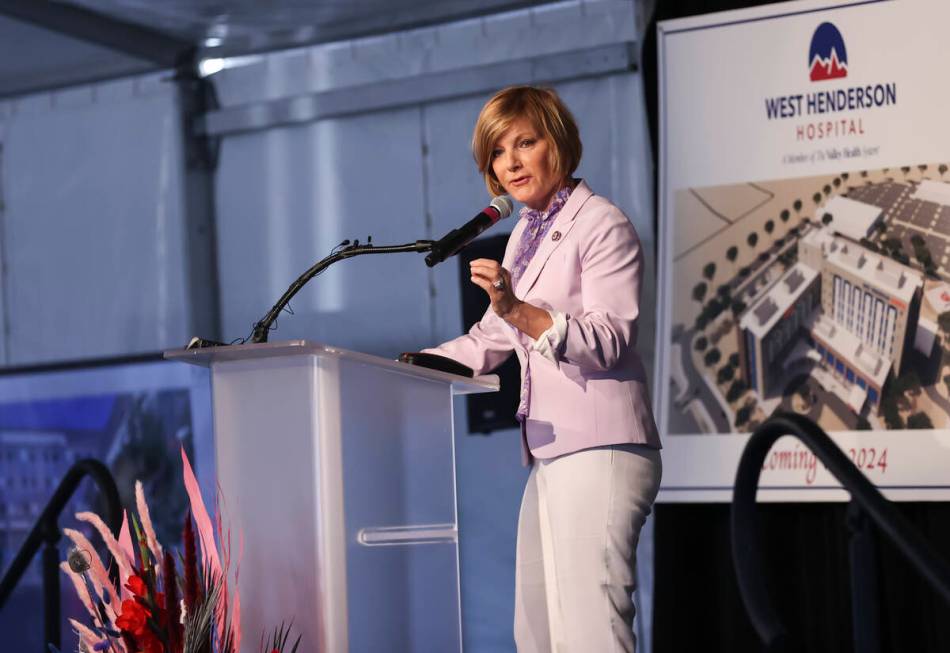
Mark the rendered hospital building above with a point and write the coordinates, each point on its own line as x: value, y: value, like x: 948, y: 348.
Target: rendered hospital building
x: 857, y: 309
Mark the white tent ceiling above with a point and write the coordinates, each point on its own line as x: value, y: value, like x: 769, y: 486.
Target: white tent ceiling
x: 45, y: 44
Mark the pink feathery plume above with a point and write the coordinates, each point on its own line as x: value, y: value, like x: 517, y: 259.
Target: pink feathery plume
x: 236, y: 621
x: 146, y: 520
x: 81, y: 591
x: 222, y: 620
x: 125, y: 544
x: 97, y: 572
x: 209, y: 553
x: 117, y: 551
x: 231, y: 622
x: 236, y: 610
x: 221, y: 610
x: 86, y: 637
x: 125, y: 541
x: 97, y: 575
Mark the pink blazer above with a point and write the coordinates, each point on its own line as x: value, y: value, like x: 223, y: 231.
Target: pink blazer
x: 589, y: 268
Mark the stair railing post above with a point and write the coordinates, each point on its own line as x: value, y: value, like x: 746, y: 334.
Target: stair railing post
x: 51, y: 604
x: 865, y: 607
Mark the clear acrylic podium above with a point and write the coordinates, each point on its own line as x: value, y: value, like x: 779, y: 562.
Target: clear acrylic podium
x: 339, y: 470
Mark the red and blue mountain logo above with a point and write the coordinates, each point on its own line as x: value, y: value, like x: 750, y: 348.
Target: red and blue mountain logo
x: 827, y: 57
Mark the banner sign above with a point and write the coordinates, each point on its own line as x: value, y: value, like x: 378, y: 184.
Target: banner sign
x: 805, y: 245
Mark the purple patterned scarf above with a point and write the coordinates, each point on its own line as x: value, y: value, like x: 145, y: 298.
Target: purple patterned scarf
x: 538, y: 224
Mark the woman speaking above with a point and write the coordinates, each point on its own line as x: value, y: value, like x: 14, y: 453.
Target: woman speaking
x: 566, y: 300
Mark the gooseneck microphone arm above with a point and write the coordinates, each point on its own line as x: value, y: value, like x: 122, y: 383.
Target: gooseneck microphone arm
x: 454, y: 241
x: 500, y: 207
x: 262, y: 327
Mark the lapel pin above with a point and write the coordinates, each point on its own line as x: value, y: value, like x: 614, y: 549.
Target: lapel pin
x: 556, y: 235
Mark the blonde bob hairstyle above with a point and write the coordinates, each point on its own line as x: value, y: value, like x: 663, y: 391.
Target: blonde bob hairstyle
x: 545, y: 111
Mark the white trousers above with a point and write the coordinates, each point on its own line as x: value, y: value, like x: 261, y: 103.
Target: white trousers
x: 578, y: 529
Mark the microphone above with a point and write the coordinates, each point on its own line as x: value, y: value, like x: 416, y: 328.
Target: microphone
x: 453, y: 242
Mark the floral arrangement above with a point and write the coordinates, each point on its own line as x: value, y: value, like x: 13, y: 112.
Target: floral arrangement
x: 161, y: 605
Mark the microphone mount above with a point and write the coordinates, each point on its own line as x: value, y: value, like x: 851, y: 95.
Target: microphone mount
x: 349, y: 250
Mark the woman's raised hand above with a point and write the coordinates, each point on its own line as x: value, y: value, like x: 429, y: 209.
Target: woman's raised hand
x: 496, y: 281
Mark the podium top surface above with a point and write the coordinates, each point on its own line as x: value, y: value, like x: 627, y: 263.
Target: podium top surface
x: 208, y: 356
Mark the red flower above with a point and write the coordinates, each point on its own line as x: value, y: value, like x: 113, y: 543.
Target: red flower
x: 137, y: 586
x: 133, y: 617
x: 134, y: 620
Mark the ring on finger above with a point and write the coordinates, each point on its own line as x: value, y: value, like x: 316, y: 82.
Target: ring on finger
x: 498, y: 284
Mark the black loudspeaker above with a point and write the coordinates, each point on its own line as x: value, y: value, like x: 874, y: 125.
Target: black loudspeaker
x: 491, y: 411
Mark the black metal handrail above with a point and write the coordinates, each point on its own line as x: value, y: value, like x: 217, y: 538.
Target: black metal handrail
x: 46, y: 531
x: 865, y: 500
